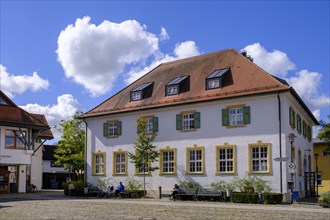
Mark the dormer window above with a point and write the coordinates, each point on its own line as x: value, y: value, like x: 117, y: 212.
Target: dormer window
x: 178, y: 85
x: 214, y: 81
x: 135, y: 96
x: 142, y: 92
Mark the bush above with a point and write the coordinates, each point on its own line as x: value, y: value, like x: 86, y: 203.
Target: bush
x: 133, y: 184
x: 219, y: 186
x: 190, y: 184
x: 272, y: 198
x: 76, y: 188
x: 324, y: 199
x: 240, y: 197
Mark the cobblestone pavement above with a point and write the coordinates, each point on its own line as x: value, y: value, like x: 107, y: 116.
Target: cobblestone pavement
x: 45, y: 205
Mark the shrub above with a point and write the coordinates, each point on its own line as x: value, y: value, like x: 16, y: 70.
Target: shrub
x: 272, y: 198
x: 219, y: 186
x: 250, y: 184
x: 76, y: 188
x: 324, y: 199
x: 133, y: 184
x: 241, y: 197
x: 190, y: 184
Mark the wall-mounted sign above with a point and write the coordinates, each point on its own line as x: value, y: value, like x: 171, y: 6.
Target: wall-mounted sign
x: 5, y: 156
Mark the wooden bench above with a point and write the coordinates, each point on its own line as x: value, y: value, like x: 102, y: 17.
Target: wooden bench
x: 209, y: 193
x: 125, y: 194
x: 191, y: 192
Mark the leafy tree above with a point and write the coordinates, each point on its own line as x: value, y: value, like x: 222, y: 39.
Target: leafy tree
x: 325, y: 131
x: 145, y: 153
x: 70, y: 150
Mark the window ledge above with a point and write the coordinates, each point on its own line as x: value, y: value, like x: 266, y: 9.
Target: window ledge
x: 167, y: 174
x: 191, y: 130
x: 119, y: 174
x: 236, y: 126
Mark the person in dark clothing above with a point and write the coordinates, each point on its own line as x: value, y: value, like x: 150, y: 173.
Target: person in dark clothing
x: 175, y: 191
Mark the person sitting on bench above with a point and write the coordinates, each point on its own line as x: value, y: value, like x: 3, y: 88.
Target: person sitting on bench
x: 119, y: 189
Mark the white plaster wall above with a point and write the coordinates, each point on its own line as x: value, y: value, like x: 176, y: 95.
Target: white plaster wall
x: 264, y: 127
x: 21, y: 178
x: 46, y: 168
x: 36, y: 167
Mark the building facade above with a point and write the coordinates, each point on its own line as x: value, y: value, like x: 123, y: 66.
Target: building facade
x: 21, y: 138
x: 217, y: 116
x: 322, y: 162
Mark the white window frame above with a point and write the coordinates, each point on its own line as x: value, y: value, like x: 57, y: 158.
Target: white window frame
x: 113, y: 129
x: 225, y: 158
x: 213, y: 83
x: 149, y: 125
x: 236, y: 116
x: 120, y: 162
x: 172, y: 90
x: 168, y: 162
x: 188, y: 121
x: 136, y: 96
x: 195, y: 161
x: 258, y: 159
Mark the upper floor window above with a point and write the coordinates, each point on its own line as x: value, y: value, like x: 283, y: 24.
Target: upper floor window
x: 151, y: 125
x: 14, y: 139
x: 214, y: 81
x: 298, y: 124
x: 188, y: 121
x: 141, y: 92
x: 178, y: 85
x: 236, y: 116
x: 112, y: 128
x: 292, y: 118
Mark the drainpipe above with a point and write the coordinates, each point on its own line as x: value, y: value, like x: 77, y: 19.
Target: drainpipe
x: 280, y: 138
x: 85, y: 154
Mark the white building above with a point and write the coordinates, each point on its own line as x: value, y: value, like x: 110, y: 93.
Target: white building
x: 217, y: 116
x: 21, y: 138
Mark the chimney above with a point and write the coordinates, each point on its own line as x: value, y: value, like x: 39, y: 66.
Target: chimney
x: 244, y: 53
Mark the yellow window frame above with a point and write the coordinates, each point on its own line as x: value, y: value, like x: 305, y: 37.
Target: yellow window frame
x: 114, y: 154
x: 195, y: 148
x: 217, y: 159
x: 167, y: 149
x: 103, y: 154
x: 269, y: 161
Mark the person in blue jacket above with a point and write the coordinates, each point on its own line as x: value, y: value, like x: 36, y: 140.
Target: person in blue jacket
x: 119, y: 189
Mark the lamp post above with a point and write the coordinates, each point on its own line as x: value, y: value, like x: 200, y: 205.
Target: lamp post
x: 291, y: 139
x: 316, y: 156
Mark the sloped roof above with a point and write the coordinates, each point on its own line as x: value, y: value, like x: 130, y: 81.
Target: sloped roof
x: 12, y: 115
x: 245, y: 78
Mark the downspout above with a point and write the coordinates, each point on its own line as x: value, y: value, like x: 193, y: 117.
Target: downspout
x: 85, y: 154
x: 280, y: 138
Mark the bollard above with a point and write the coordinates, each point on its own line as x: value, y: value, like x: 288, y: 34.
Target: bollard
x: 160, y: 192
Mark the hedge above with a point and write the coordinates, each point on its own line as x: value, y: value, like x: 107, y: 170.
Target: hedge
x: 241, y: 197
x: 272, y: 198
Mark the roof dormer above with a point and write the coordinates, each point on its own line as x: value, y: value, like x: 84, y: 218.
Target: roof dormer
x: 142, y: 92
x: 178, y: 85
x: 215, y: 80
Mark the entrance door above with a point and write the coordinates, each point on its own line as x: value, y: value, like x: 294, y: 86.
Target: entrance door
x: 4, y: 179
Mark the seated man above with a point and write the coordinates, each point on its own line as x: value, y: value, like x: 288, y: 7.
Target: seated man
x: 175, y: 191
x: 119, y: 189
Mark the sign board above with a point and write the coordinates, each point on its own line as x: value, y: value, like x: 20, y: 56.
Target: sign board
x: 291, y: 167
x: 281, y: 159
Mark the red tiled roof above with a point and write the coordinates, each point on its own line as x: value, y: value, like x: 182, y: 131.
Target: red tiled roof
x: 12, y: 115
x: 245, y: 78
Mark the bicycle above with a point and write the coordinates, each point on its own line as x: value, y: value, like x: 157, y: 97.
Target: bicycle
x: 105, y: 192
x: 31, y: 188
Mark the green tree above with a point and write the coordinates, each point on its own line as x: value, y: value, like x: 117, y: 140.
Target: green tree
x: 145, y: 153
x: 325, y: 131
x: 70, y: 150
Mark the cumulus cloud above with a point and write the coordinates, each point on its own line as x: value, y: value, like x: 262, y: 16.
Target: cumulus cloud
x: 182, y: 50
x: 65, y: 107
x: 163, y: 34
x: 275, y: 62
x: 305, y: 82
x: 11, y: 84
x: 95, y: 55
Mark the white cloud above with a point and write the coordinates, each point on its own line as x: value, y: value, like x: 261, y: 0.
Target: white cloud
x: 275, y: 62
x: 163, y: 34
x: 182, y: 50
x: 94, y: 56
x: 11, y: 84
x: 65, y: 107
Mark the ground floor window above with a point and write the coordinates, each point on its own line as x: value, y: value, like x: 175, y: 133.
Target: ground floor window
x: 226, y: 159
x: 120, y: 163
x: 167, y: 161
x: 99, y: 163
x: 259, y: 158
x: 195, y: 160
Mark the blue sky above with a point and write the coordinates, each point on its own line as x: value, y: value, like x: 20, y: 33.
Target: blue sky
x: 58, y: 57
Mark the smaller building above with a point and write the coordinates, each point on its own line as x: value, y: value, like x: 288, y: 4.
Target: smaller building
x: 322, y: 165
x: 53, y: 175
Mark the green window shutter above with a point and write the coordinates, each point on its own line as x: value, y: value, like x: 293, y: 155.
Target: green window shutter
x: 178, y: 122
x: 246, y: 115
x: 119, y: 128
x: 225, y: 117
x: 197, y: 120
x: 105, y: 129
x: 290, y: 115
x: 155, y: 124
x: 294, y: 119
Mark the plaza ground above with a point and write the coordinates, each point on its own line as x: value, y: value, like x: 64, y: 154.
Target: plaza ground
x: 54, y: 205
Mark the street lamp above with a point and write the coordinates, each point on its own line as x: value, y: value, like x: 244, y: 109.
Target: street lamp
x: 316, y: 156
x: 291, y: 139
